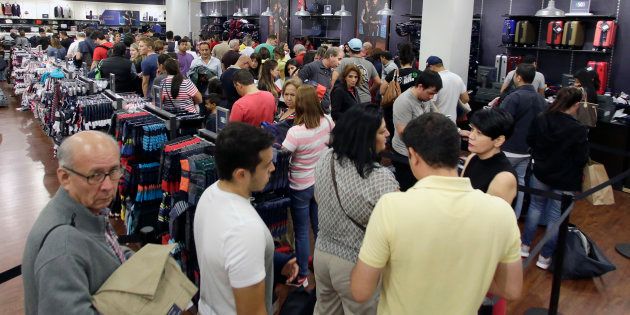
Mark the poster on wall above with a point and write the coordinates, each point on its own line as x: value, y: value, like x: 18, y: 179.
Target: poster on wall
x: 370, y: 26
x: 120, y: 17
x: 278, y: 22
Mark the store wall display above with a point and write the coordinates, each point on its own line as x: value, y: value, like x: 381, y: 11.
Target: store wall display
x: 556, y: 61
x: 371, y: 26
x: 87, y: 10
x: 120, y: 17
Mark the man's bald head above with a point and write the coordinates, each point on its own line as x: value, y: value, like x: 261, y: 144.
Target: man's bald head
x: 82, y: 144
x: 244, y: 62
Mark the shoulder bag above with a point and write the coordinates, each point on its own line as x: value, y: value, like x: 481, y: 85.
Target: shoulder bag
x: 392, y: 92
x: 334, y: 180
x: 587, y: 112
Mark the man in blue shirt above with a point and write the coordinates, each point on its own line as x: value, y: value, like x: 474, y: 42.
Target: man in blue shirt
x: 149, y: 65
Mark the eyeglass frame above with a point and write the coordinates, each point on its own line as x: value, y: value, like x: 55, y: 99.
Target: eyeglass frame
x: 87, y: 178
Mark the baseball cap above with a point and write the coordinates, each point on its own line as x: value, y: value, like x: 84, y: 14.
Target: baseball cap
x: 355, y: 44
x: 433, y: 60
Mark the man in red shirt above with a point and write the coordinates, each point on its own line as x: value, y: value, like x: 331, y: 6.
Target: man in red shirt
x: 254, y: 106
x: 102, y: 46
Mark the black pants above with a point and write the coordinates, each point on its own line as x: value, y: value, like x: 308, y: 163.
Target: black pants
x: 404, y: 176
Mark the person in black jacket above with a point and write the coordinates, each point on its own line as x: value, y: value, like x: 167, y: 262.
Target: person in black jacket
x: 344, y: 94
x: 559, y: 147
x: 121, y: 67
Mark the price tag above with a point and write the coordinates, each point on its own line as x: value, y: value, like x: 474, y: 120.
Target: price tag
x: 580, y: 6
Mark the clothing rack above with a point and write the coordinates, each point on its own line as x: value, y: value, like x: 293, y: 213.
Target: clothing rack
x: 177, y: 122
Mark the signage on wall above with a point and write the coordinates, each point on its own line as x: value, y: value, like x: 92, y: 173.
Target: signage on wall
x: 580, y: 7
x: 121, y: 17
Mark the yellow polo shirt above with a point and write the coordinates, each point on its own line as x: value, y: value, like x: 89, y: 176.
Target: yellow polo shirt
x: 439, y: 244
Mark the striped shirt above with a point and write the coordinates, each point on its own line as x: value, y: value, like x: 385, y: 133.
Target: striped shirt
x: 307, y: 146
x: 184, y: 100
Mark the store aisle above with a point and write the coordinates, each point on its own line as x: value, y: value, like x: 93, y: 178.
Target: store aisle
x: 28, y: 178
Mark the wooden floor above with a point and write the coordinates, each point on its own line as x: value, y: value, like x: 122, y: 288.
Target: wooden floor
x: 27, y: 177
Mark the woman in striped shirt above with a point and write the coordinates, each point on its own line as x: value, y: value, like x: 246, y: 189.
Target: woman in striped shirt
x: 178, y: 93
x: 307, y: 140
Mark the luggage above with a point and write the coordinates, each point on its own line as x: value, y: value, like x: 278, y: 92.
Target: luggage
x: 573, y: 35
x: 500, y: 62
x: 513, y: 62
x: 509, y: 28
x: 525, y: 33
x: 605, y: 33
x: 601, y: 68
x: 554, y: 33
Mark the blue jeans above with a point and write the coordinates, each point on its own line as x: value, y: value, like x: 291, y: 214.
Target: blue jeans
x: 520, y: 166
x: 303, y: 207
x: 542, y: 206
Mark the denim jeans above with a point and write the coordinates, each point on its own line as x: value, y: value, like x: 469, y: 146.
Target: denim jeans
x: 543, y: 206
x: 520, y: 166
x: 303, y: 208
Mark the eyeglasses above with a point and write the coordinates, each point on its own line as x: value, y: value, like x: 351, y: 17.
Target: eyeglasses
x: 97, y: 178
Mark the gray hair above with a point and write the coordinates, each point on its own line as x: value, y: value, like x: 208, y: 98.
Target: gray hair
x: 81, y: 35
x: 298, y: 48
x: 331, y: 52
x: 66, y: 151
x: 234, y: 43
x: 247, y: 40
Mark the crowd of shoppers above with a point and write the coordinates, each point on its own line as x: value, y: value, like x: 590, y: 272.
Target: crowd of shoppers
x: 360, y: 213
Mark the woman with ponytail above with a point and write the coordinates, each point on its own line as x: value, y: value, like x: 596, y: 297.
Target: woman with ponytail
x: 178, y: 92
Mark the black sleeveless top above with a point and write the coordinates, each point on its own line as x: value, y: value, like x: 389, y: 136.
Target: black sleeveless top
x: 482, y: 172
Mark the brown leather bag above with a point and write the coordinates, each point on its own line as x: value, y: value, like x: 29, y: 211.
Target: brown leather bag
x: 392, y: 92
x: 587, y: 112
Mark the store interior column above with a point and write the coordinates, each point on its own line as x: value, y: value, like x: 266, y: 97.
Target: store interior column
x: 179, y: 16
x: 446, y: 30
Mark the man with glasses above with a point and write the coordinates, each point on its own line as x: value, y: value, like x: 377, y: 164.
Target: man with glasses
x: 72, y: 248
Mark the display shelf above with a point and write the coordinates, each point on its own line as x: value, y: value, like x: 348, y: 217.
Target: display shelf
x: 558, y: 49
x: 320, y: 16
x: 566, y: 17
x: 231, y: 16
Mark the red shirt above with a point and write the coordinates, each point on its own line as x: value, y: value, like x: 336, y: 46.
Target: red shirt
x: 300, y: 58
x: 100, y: 52
x: 254, y: 108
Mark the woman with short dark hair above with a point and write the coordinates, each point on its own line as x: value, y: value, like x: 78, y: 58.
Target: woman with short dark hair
x: 559, y: 148
x: 487, y: 167
x: 359, y: 181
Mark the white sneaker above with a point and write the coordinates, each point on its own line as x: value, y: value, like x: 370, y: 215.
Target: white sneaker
x: 543, y: 263
x: 524, y: 251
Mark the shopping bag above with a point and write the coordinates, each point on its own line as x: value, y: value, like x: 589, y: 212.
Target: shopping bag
x: 595, y: 174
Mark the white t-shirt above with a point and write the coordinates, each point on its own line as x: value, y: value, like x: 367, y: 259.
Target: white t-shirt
x: 452, y: 88
x: 538, y: 83
x: 248, y: 51
x: 234, y: 250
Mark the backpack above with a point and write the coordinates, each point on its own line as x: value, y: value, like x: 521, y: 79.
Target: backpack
x: 200, y: 76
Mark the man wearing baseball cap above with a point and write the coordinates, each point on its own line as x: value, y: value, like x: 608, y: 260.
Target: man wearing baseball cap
x: 367, y: 71
x: 453, y: 89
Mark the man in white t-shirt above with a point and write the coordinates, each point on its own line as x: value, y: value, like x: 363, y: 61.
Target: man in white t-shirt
x: 234, y: 246
x: 538, y: 83
x: 453, y: 89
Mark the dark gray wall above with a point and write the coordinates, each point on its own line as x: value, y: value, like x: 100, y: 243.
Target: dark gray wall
x: 554, y: 64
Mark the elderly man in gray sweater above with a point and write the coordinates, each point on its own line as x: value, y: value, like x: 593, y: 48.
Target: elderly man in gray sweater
x: 72, y: 248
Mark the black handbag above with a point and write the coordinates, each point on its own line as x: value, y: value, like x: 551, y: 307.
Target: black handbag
x: 582, y: 258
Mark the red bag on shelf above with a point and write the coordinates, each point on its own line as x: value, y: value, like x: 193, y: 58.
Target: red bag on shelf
x: 601, y: 68
x: 605, y: 33
x: 554, y: 33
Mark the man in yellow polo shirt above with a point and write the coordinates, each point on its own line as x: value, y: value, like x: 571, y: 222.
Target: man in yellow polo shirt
x: 441, y: 245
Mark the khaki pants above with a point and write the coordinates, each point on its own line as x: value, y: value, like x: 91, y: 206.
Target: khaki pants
x: 332, y: 276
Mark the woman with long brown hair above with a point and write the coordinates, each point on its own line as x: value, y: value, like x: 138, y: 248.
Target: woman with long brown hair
x: 178, y: 92
x: 559, y: 148
x: 307, y: 140
x: 268, y: 75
